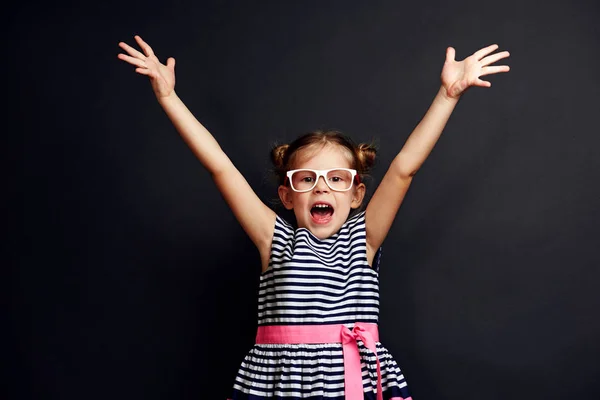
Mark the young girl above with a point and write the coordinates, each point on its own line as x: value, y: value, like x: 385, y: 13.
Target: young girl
x: 318, y: 298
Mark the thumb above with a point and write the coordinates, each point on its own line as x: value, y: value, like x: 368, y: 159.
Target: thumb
x: 450, y: 53
x: 171, y: 63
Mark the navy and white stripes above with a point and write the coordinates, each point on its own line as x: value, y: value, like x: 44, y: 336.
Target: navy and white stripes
x: 313, y: 281
x: 316, y: 282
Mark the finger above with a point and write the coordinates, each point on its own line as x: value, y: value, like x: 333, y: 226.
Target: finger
x: 450, y: 54
x: 143, y: 71
x: 494, y: 70
x: 494, y: 57
x: 481, y: 83
x: 132, y: 52
x: 145, y: 46
x: 479, y: 54
x: 171, y: 63
x: 132, y: 60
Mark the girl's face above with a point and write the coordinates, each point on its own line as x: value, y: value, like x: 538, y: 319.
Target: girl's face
x: 322, y: 222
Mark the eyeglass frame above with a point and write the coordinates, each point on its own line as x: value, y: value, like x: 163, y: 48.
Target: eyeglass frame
x: 322, y: 173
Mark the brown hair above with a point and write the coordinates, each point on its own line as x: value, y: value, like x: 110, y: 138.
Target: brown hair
x: 283, y: 156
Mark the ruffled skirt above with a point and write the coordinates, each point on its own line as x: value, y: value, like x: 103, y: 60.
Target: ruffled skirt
x: 313, y: 371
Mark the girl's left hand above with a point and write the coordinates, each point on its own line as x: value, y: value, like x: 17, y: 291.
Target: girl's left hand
x: 458, y: 76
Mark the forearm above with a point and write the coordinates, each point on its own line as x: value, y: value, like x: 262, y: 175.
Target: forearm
x: 421, y: 141
x: 196, y: 136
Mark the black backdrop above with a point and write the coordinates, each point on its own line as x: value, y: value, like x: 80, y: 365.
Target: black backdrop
x: 129, y: 278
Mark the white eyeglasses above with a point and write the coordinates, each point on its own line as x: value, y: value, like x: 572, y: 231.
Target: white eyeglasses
x: 338, y: 179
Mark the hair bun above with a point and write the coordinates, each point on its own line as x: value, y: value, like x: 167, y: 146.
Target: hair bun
x: 366, y: 155
x: 278, y: 154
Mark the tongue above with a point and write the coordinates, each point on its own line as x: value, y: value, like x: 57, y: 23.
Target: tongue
x: 321, y: 216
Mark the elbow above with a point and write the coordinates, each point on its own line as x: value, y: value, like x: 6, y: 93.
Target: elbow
x: 409, y: 174
x: 405, y: 166
x: 404, y: 171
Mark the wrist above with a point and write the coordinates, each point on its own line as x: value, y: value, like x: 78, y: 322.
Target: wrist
x: 444, y: 96
x: 168, y: 98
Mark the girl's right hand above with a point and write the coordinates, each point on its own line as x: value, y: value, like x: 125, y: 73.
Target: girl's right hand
x: 161, y: 76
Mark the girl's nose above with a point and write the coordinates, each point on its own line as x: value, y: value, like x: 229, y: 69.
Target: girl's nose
x: 321, y: 185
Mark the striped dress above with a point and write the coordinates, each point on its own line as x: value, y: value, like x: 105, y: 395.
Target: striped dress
x: 313, y: 282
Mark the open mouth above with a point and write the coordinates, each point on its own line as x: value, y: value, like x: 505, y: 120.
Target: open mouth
x: 321, y: 213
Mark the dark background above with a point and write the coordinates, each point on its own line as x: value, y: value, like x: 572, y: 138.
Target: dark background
x: 129, y: 278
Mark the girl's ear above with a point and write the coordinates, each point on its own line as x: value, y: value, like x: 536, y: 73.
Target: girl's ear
x: 358, y: 195
x: 285, y: 195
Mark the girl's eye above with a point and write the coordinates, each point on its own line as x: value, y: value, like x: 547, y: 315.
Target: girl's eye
x: 336, y: 179
x: 307, y: 179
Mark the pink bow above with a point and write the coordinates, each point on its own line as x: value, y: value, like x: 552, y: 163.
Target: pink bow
x: 353, y: 372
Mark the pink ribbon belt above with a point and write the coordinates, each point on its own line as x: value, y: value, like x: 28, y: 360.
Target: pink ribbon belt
x: 313, y: 334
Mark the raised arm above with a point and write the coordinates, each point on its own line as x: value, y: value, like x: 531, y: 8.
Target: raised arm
x: 256, y: 218
x: 456, y: 78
